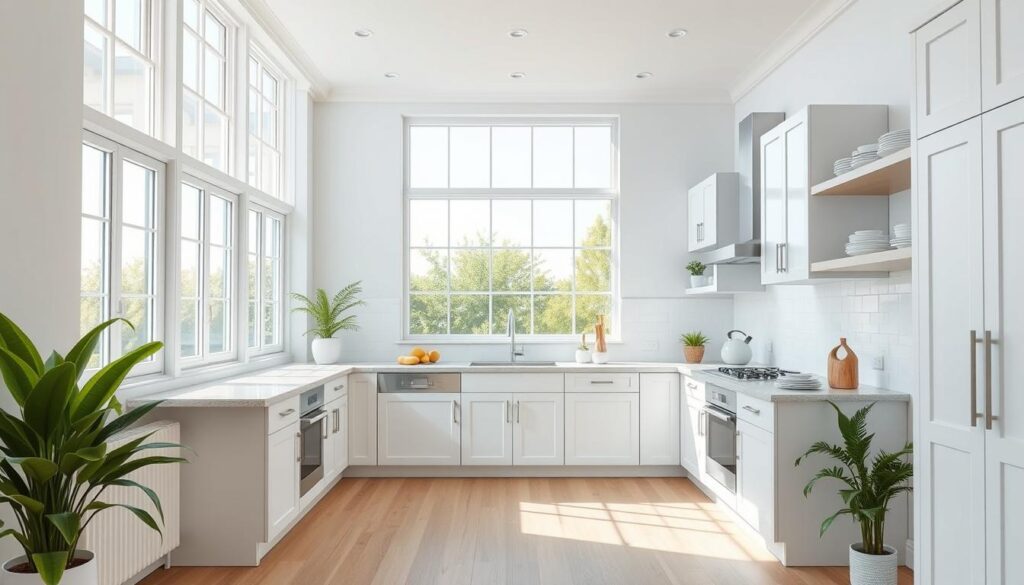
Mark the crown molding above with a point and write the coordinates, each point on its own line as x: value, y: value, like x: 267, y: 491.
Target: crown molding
x: 361, y: 95
x: 320, y: 88
x: 806, y: 27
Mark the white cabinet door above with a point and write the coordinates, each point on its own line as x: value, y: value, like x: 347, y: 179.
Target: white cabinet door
x: 950, y: 489
x: 948, y: 63
x: 1002, y: 52
x: 418, y: 429
x: 1003, y: 393
x: 336, y: 444
x: 795, y: 251
x: 486, y: 429
x: 755, y: 478
x: 695, y: 217
x: 362, y: 419
x: 282, y: 478
x: 538, y: 435
x: 602, y: 428
x: 659, y: 419
x: 773, y: 203
x: 709, y: 213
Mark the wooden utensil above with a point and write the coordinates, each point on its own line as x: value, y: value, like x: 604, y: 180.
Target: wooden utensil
x: 843, y: 373
x: 600, y: 345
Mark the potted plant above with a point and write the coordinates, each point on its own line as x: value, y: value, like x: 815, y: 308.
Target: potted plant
x: 868, y: 487
x: 329, y: 318
x: 694, y: 343
x: 583, y: 351
x: 56, y: 464
x: 697, y: 277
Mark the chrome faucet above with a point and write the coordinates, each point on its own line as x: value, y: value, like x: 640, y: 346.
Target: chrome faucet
x: 513, y: 354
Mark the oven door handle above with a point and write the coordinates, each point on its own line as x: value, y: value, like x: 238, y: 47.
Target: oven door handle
x: 720, y: 415
x: 315, y: 419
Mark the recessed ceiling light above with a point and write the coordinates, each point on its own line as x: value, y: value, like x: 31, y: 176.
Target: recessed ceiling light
x: 677, y: 33
x: 391, y: 75
x: 644, y: 75
x: 518, y: 33
x: 517, y: 75
x: 363, y: 33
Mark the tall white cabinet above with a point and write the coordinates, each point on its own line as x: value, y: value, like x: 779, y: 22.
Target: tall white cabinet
x: 969, y: 205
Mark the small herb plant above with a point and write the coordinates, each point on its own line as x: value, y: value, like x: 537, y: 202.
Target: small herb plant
x: 696, y: 268
x: 583, y: 344
x: 328, y: 313
x: 868, y: 486
x: 695, y: 339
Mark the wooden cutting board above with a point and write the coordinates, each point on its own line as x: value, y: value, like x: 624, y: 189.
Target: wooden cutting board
x: 843, y: 372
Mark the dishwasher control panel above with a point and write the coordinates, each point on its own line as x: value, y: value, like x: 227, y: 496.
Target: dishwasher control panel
x: 419, y: 382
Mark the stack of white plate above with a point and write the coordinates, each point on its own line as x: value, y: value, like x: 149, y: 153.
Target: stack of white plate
x: 894, y: 141
x: 900, y: 236
x: 864, y: 154
x: 798, y: 382
x: 843, y: 165
x: 867, y: 242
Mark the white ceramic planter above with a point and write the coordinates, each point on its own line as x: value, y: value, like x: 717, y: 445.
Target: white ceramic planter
x: 699, y: 281
x: 582, y: 356
x: 868, y: 569
x: 600, y: 357
x: 85, y: 574
x: 326, y: 351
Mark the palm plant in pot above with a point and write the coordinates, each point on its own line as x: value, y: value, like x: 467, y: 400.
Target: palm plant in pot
x: 56, y: 464
x: 869, y: 485
x: 329, y: 318
x: 694, y: 344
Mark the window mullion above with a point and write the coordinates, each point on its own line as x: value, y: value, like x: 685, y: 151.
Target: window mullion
x: 116, y: 230
x: 203, y: 314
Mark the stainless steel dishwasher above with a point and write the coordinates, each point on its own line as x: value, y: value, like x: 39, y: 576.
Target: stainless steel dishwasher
x: 419, y: 418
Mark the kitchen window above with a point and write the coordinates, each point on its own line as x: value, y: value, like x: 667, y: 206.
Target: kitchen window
x: 265, y: 132
x: 206, y: 280
x: 121, y: 255
x: 206, y: 74
x: 265, y: 285
x: 120, y: 60
x: 510, y: 214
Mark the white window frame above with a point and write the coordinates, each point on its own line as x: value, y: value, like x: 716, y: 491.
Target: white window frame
x: 231, y: 82
x: 203, y: 356
x: 611, y: 194
x: 262, y: 348
x: 117, y: 154
x: 264, y: 62
x: 155, y: 41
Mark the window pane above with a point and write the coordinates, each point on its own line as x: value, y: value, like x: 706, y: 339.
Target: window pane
x: 190, y: 124
x: 511, y: 157
x: 428, y: 223
x: 90, y: 311
x: 220, y: 221
x: 213, y: 77
x: 428, y: 270
x: 94, y: 256
x: 470, y: 223
x: 137, y: 194
x: 136, y: 261
x: 94, y: 181
x: 214, y: 32
x: 270, y: 273
x: 253, y: 324
x: 470, y: 152
x: 254, y: 163
x: 552, y: 223
x: 138, y: 312
x: 218, y: 272
x: 593, y: 223
x: 268, y: 123
x: 271, y: 324
x: 254, y: 112
x: 215, y: 138
x: 252, y: 232
x: 94, y: 92
x: 552, y: 157
x: 190, y: 60
x: 191, y: 206
x: 269, y: 87
x: 132, y: 89
x: 271, y: 167
x: 552, y: 314
x: 272, y: 237
x: 189, y: 346
x: 512, y: 270
x: 220, y: 323
x: 593, y: 270
x: 252, y: 277
x: 593, y: 154
x: 428, y: 314
x: 588, y: 307
x: 254, y: 73
x: 428, y: 157
x: 96, y: 10
x: 471, y: 270
x: 511, y: 223
x: 470, y: 314
x: 520, y: 304
x: 128, y: 23
x: 552, y: 270
x: 191, y: 14
x: 190, y: 262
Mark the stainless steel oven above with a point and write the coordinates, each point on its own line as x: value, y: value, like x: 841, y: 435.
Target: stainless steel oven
x: 719, y: 415
x: 313, y: 430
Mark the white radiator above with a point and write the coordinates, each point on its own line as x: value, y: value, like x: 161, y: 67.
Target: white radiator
x: 123, y: 545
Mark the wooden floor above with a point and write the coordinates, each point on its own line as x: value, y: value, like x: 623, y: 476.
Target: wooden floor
x: 514, y: 531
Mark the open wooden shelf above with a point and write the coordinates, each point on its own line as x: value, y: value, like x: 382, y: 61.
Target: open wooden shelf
x: 887, y: 261
x: 882, y: 177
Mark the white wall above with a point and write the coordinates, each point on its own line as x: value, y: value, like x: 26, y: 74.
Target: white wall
x: 357, y: 224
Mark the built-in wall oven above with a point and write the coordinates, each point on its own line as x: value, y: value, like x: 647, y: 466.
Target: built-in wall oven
x: 719, y: 416
x: 313, y: 430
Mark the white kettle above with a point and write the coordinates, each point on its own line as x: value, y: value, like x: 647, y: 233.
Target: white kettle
x: 736, y: 350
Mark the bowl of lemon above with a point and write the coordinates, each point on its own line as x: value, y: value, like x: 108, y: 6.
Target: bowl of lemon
x: 419, y: 356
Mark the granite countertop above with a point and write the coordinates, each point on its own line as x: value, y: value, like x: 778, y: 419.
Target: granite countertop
x: 769, y: 392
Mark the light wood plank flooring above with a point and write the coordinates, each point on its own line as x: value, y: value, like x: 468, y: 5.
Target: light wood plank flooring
x: 635, y: 531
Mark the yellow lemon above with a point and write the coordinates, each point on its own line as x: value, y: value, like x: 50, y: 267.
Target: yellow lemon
x: 425, y: 359
x: 408, y: 360
x: 418, y: 352
x: 435, y: 356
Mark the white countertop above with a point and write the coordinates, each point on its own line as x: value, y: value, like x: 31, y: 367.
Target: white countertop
x: 263, y: 388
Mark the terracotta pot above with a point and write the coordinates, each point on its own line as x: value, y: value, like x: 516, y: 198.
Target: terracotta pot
x: 693, y: 354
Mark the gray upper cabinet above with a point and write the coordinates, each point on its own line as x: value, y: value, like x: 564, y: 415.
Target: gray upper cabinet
x: 713, y: 215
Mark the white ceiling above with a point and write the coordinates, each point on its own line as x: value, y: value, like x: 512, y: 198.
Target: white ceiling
x: 576, y: 50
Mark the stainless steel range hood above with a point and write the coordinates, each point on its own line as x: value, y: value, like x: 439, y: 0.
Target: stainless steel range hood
x: 747, y: 250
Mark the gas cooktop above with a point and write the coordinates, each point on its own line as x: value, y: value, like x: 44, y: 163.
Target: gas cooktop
x: 752, y: 373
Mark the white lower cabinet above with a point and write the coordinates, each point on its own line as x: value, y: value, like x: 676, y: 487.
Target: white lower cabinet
x: 487, y: 429
x: 755, y: 478
x: 659, y: 419
x: 513, y: 429
x: 418, y: 429
x: 362, y: 419
x: 692, y: 446
x: 282, y: 478
x: 336, y: 443
x: 602, y: 428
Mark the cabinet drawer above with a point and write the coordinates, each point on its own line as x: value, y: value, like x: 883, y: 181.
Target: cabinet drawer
x: 282, y: 414
x: 602, y: 382
x: 553, y: 383
x: 756, y: 412
x: 693, y: 388
x: 335, y: 389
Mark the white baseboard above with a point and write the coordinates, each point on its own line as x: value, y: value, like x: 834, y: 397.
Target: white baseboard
x: 513, y: 471
x: 910, y: 554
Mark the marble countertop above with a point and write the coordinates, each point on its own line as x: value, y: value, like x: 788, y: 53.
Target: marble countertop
x: 767, y: 391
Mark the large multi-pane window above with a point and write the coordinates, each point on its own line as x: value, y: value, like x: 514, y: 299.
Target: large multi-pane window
x: 206, y: 73
x: 265, y: 232
x: 205, y: 287
x: 120, y: 60
x: 265, y: 137
x: 510, y: 215
x: 122, y: 206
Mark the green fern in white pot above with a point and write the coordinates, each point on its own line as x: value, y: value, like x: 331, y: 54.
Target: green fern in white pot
x: 329, y: 317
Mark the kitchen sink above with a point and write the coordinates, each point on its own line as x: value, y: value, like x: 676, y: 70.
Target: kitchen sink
x: 503, y: 364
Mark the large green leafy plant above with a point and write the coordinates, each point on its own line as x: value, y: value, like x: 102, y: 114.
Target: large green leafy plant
x: 870, y: 484
x: 329, y: 313
x: 56, y: 465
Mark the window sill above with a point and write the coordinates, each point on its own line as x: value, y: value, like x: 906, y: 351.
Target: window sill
x: 156, y: 383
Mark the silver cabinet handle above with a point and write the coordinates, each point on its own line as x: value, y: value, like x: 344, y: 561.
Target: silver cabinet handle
x: 298, y: 447
x: 778, y: 258
x: 691, y: 385
x: 739, y: 446
x: 975, y: 415
x: 602, y: 381
x: 785, y: 257
x: 507, y: 412
x: 989, y: 417
x: 752, y: 409
x: 336, y: 413
x: 517, y: 412
x: 454, y: 420
x: 286, y: 412
x: 339, y: 387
